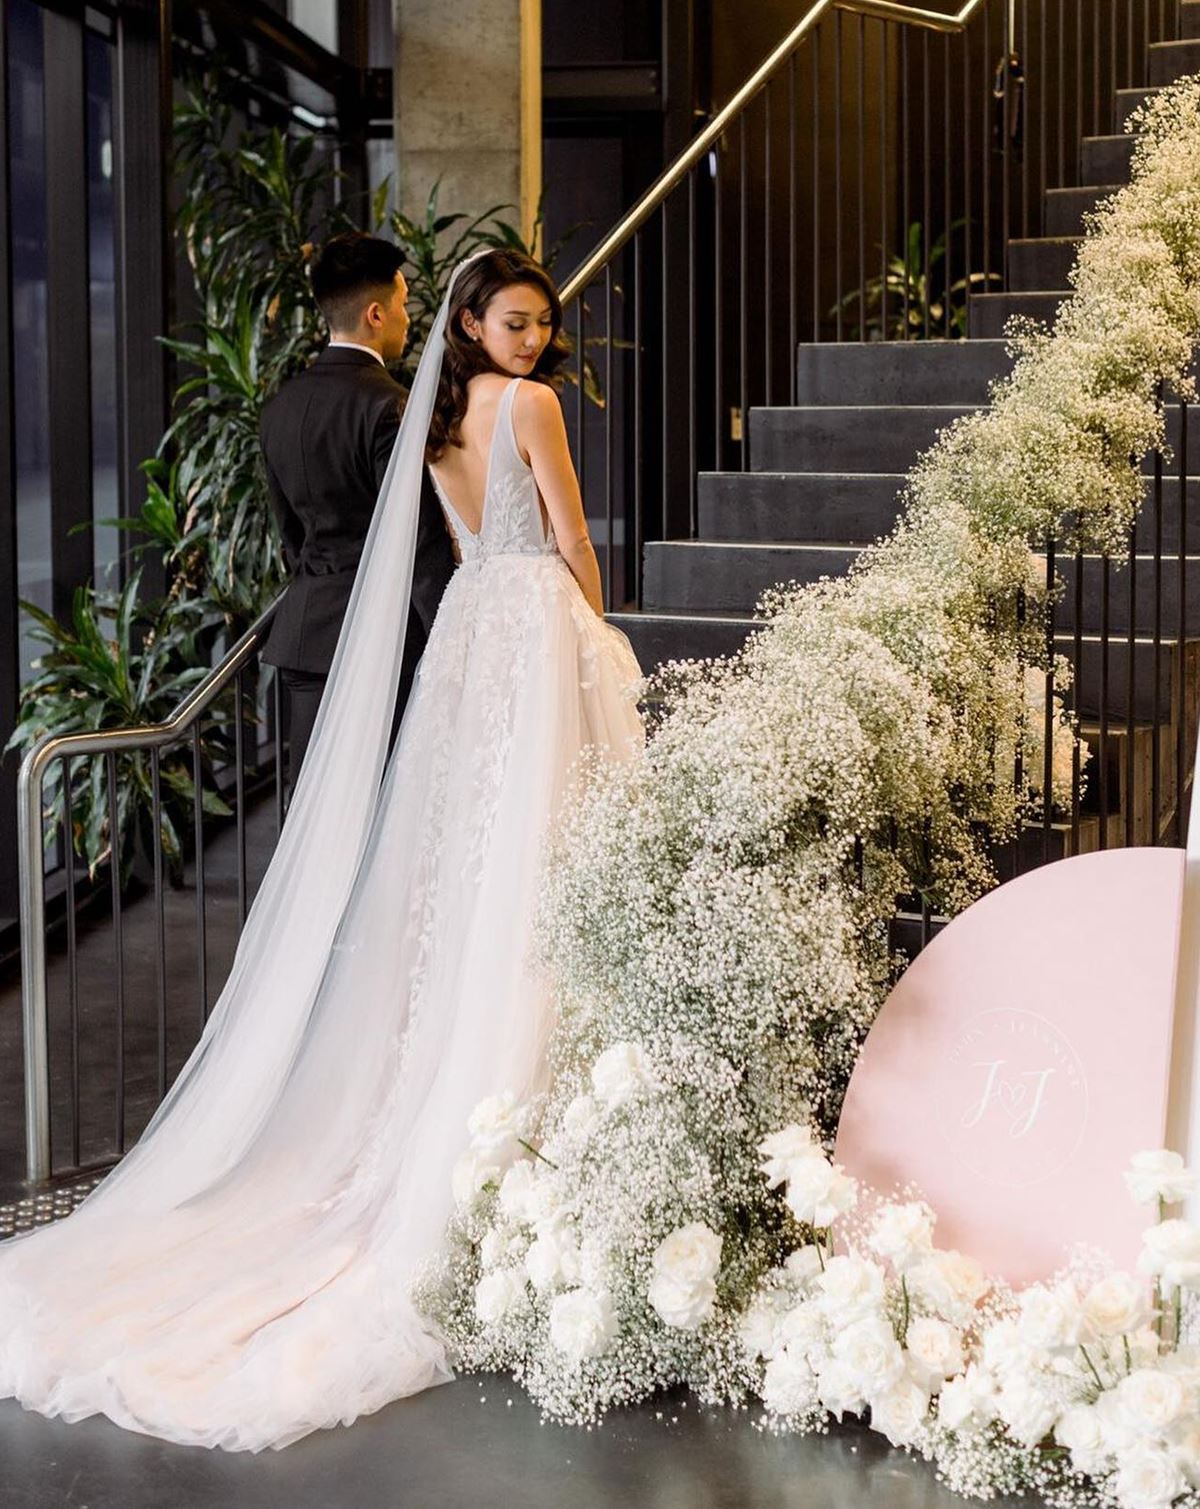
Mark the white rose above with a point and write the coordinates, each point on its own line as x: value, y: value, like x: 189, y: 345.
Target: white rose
x: 802, y: 1329
x: 1081, y: 1431
x: 1159, y: 1175
x: 804, y: 1264
x: 758, y: 1327
x: 1114, y: 1306
x: 1115, y: 1425
x: 851, y: 1287
x: 1151, y: 1400
x: 968, y: 1402
x: 581, y: 1118
x: 781, y: 1149
x: 1171, y: 1252
x: 496, y: 1123
x: 899, y: 1413
x: 470, y: 1173
x: 621, y: 1073
x: 1147, y: 1478
x: 685, y: 1305
x: 949, y: 1283
x: 516, y: 1190
x: 690, y: 1254
x: 903, y: 1234
x: 819, y: 1191
x: 552, y: 1260
x: 1025, y: 1409
x: 870, y: 1350
x: 1004, y: 1349
x: 789, y: 1385
x: 582, y: 1323
x: 496, y: 1294
x: 1050, y: 1318
x: 935, y: 1352
x: 838, y: 1389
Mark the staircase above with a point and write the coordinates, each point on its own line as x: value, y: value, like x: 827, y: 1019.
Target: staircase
x: 824, y: 478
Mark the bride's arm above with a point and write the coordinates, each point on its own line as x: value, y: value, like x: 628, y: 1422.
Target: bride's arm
x: 540, y: 429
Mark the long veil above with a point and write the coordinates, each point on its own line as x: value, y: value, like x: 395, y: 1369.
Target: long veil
x: 259, y: 1028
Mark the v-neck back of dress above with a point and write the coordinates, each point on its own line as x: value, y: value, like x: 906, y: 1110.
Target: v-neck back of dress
x: 511, y: 517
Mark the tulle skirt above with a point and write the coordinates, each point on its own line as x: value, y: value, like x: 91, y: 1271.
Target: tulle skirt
x: 247, y: 1306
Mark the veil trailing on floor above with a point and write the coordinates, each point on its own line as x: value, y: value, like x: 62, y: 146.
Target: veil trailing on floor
x: 242, y: 1277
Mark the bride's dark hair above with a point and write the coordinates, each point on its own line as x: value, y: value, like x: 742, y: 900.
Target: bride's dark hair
x: 475, y: 288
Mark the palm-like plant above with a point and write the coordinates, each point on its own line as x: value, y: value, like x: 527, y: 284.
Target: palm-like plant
x: 119, y: 662
x: 916, y: 304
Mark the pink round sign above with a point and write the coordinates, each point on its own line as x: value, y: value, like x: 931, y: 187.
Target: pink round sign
x: 1023, y: 1059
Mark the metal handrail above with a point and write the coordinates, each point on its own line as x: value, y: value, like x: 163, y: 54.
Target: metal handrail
x: 31, y: 866
x: 673, y: 175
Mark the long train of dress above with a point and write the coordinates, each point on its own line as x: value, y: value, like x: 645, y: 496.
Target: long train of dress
x: 273, y: 1300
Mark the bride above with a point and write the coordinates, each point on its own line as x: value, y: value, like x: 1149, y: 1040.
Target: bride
x: 242, y: 1277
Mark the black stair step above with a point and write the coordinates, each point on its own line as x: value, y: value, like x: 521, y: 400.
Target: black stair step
x: 988, y: 313
x: 830, y: 438
x: 809, y: 507
x: 1106, y: 159
x: 1065, y: 207
x: 1128, y: 100
x: 1171, y: 60
x: 875, y: 372
x: 685, y: 575
x: 1041, y: 263
x: 1189, y: 19
x: 1092, y: 618
x: 659, y: 637
x: 1090, y: 694
x: 855, y: 508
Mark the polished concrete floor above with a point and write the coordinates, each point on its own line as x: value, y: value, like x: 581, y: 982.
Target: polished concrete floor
x: 465, y: 1446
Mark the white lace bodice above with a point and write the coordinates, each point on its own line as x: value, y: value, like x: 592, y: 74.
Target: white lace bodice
x: 512, y: 513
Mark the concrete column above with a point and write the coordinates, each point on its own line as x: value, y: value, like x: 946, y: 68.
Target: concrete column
x: 468, y: 106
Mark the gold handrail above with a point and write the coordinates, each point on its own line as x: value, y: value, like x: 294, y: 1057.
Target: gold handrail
x: 660, y: 189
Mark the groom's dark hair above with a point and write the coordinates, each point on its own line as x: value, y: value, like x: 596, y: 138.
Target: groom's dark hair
x: 350, y: 270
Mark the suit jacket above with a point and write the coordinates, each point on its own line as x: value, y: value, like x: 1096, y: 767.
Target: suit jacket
x: 326, y: 439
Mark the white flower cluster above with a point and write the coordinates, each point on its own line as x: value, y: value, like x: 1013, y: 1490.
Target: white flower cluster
x: 1082, y: 1389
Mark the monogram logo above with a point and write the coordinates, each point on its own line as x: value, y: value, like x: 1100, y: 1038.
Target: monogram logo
x: 1018, y: 1104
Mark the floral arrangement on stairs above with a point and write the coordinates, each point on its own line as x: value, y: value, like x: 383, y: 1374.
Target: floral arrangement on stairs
x: 716, y: 918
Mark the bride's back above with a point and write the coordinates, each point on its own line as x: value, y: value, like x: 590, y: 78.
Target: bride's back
x: 462, y: 470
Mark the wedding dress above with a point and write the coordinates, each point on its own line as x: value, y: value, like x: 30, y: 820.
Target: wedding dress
x: 242, y: 1277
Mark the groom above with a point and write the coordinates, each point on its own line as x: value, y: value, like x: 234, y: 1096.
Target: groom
x: 326, y: 439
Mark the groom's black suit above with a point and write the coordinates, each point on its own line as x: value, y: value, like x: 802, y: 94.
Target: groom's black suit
x: 326, y: 439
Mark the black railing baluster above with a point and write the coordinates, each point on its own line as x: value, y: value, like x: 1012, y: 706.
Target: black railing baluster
x: 693, y: 503
x: 1048, y: 712
x: 837, y: 169
x: 1181, y: 750
x: 239, y: 778
x: 114, y: 845
x: 793, y: 299
x: 610, y: 573
x: 720, y: 417
x: 1023, y: 53
x: 816, y: 182
x: 72, y: 955
x: 743, y: 294
x: 160, y: 923
x: 947, y: 210
x: 985, y: 144
x: 884, y: 195
x: 1060, y: 99
x: 277, y: 714
x: 1043, y: 21
x: 580, y: 391
x: 639, y: 279
x: 1077, y: 650
x: 1130, y: 730
x: 768, y: 332
x: 1155, y: 708
x: 926, y: 183
x: 906, y: 213
x: 862, y: 181
x: 198, y: 839
x: 664, y: 367
x: 1105, y: 641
